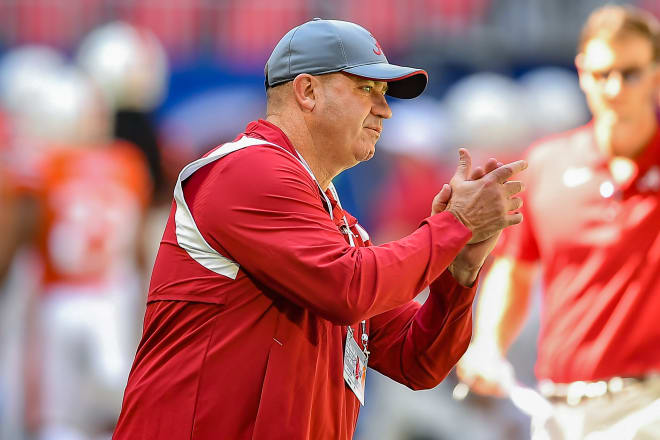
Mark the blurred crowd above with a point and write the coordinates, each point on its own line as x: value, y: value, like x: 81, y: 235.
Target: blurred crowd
x: 101, y: 104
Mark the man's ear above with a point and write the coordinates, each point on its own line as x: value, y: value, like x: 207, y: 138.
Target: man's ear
x: 305, y: 91
x: 579, y: 62
x: 656, y: 76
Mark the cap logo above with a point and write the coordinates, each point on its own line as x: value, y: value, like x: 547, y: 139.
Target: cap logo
x: 378, y: 50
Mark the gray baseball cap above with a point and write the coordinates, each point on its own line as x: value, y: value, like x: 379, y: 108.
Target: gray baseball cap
x: 326, y: 46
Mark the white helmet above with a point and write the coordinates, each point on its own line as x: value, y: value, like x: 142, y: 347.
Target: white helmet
x: 73, y: 111
x: 418, y: 128
x: 554, y: 100
x: 25, y: 74
x: 129, y: 65
x: 487, y: 111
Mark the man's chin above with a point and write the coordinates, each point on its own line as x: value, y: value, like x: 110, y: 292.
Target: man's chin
x: 621, y: 120
x: 369, y: 154
x: 365, y: 150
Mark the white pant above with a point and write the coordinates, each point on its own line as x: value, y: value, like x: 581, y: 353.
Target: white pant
x: 633, y: 413
x: 16, y: 293
x: 88, y: 344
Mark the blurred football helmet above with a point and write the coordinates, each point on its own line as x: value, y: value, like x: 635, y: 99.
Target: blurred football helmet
x: 488, y: 112
x: 129, y: 65
x: 554, y: 100
x: 26, y: 75
x: 419, y: 128
x: 73, y: 110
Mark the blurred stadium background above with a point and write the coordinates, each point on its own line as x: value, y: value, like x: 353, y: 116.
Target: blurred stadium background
x: 177, y: 77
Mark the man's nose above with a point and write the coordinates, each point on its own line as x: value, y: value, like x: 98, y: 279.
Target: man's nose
x: 381, y: 108
x: 613, y: 84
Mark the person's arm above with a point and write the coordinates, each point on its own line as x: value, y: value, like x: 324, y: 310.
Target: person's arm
x: 503, y: 304
x: 502, y: 309
x: 18, y: 224
x: 417, y: 345
x: 261, y: 209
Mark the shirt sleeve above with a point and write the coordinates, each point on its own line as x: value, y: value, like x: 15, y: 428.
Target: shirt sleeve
x: 259, y: 207
x: 417, y: 345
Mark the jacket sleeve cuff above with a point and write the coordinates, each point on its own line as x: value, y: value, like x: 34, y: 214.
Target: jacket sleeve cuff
x: 448, y: 237
x: 450, y: 294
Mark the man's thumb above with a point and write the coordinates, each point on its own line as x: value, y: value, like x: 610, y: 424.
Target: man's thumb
x: 441, y: 200
x: 464, y: 164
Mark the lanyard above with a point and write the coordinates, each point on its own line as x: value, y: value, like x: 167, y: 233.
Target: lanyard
x: 346, y: 229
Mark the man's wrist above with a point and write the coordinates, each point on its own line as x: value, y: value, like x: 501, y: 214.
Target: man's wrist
x: 464, y: 275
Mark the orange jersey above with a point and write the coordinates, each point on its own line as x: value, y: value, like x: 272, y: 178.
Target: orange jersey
x: 93, y: 200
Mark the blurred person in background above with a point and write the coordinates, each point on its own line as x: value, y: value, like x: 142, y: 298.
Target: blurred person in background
x: 88, y: 194
x: 10, y: 352
x: 262, y: 276
x: 592, y: 209
x: 130, y: 66
x: 26, y: 73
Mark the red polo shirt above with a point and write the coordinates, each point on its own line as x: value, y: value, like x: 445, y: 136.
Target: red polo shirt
x: 261, y: 356
x: 600, y: 248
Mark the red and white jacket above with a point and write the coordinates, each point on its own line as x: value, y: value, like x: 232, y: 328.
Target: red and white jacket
x: 252, y: 292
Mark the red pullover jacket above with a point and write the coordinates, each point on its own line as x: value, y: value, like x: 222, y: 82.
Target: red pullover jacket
x: 261, y: 356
